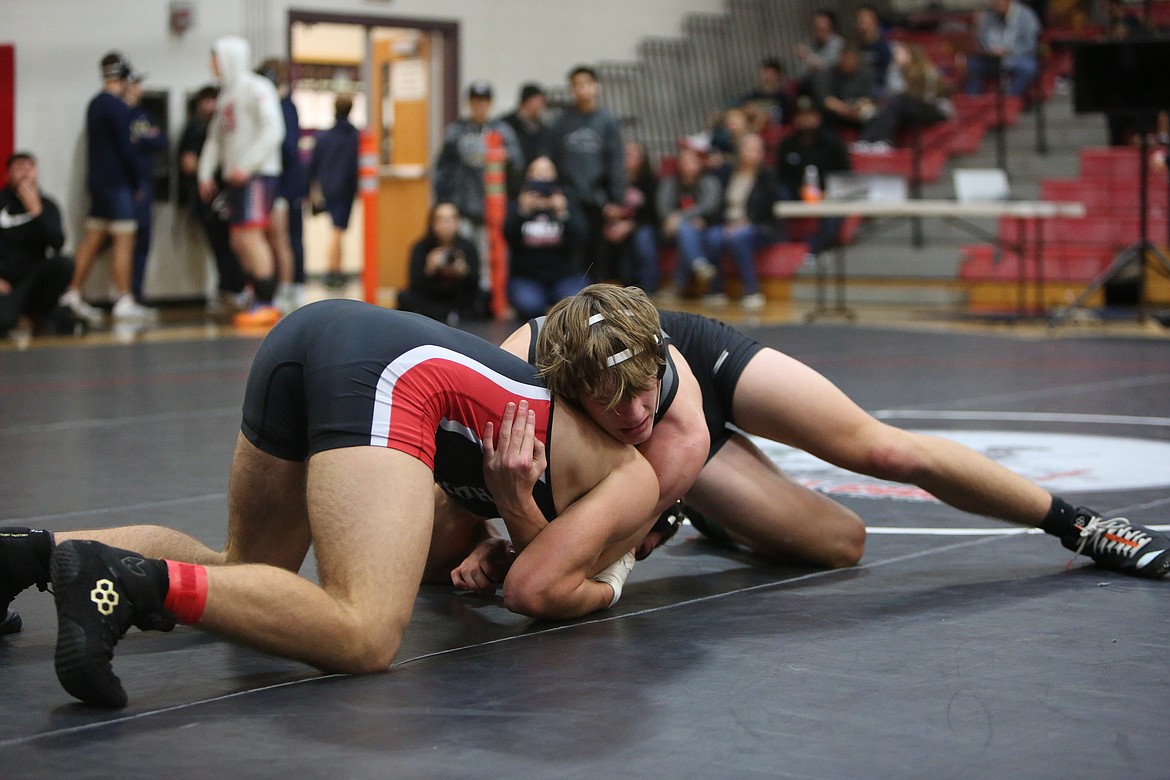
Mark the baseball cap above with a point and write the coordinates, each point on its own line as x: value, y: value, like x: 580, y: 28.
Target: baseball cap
x: 115, y: 66
x: 136, y: 76
x: 479, y: 89
x: 530, y: 90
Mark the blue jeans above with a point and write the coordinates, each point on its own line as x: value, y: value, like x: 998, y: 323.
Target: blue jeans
x: 646, y: 254
x: 1021, y: 72
x: 532, y: 297
x: 690, y: 246
x: 742, y: 242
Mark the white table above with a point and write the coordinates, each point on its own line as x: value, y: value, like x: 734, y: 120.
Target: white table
x: 1020, y: 210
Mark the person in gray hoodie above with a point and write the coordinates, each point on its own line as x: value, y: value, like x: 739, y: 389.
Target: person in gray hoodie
x: 587, y: 148
x: 244, y: 139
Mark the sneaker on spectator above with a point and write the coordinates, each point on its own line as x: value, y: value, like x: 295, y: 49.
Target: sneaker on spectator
x: 127, y: 309
x: 91, y: 314
x: 716, y: 300
x: 260, y: 316
x: 753, y: 301
x: 702, y: 269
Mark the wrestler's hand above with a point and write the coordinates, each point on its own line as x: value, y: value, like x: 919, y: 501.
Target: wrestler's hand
x: 512, y: 465
x: 485, y: 567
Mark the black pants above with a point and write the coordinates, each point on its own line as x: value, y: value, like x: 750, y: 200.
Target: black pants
x: 37, y: 292
x: 215, y: 228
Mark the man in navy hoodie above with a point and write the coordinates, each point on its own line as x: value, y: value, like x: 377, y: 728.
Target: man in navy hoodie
x: 112, y: 181
x: 333, y: 181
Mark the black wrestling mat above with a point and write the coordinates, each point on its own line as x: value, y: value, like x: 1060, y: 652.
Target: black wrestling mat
x: 959, y: 648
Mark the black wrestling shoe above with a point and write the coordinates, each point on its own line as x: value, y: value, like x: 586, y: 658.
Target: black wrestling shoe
x: 100, y: 592
x: 1120, y: 545
x: 24, y: 561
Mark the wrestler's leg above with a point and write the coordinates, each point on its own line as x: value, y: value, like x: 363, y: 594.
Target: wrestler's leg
x: 371, y: 514
x: 810, y: 413
x: 763, y: 509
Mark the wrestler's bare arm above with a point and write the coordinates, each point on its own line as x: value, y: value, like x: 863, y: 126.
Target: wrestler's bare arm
x: 678, y: 445
x: 611, y: 490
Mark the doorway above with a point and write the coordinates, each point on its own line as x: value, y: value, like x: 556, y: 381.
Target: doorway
x: 403, y: 76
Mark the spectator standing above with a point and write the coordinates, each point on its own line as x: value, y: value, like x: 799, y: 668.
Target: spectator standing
x: 586, y: 147
x: 527, y: 122
x: 244, y: 139
x: 32, y: 273
x: 459, y: 167
x: 212, y: 217
x: 747, y: 222
x: 286, y: 229
x: 687, y: 203
x: 629, y: 248
x: 112, y: 180
x: 541, y: 230
x: 333, y: 182
x: 444, y: 270
x: 1008, y: 35
x: 812, y: 145
x: 149, y: 140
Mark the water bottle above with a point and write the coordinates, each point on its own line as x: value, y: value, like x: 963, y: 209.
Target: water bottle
x: 810, y: 191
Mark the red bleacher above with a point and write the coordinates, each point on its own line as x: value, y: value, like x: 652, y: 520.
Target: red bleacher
x: 1075, y: 251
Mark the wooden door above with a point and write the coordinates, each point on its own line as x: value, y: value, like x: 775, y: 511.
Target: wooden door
x: 400, y: 111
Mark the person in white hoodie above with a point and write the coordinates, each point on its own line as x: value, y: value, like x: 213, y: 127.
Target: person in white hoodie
x: 244, y: 141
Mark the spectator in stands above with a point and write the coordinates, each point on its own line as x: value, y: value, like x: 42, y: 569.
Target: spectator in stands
x: 630, y: 249
x: 212, y: 217
x: 821, y: 52
x: 459, y: 167
x: 919, y: 100
x: 244, y: 138
x: 1007, y: 34
x: 874, y: 45
x: 746, y: 223
x: 444, y: 270
x: 772, y: 93
x: 333, y: 182
x: 688, y: 203
x: 112, y: 182
x: 543, y: 231
x: 586, y: 147
x: 845, y: 91
x: 32, y: 273
x: 286, y: 228
x: 527, y: 122
x: 729, y: 127
x: 814, y: 145
x: 149, y: 140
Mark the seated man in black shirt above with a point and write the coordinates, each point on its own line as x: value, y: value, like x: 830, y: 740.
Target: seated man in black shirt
x: 32, y: 273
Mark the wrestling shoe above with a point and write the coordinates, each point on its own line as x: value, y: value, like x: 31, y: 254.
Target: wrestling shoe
x: 100, y: 592
x: 1119, y: 545
x: 24, y: 561
x: 259, y: 317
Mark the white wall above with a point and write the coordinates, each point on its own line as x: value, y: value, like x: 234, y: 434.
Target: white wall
x: 59, y: 43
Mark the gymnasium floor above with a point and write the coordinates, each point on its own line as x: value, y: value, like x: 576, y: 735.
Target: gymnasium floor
x: 959, y: 648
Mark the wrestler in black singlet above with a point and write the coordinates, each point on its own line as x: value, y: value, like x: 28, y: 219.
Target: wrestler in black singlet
x: 343, y: 373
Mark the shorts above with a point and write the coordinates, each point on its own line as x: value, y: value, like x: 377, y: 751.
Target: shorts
x: 339, y: 211
x: 250, y: 205
x: 717, y: 355
x: 112, y: 209
x: 341, y: 373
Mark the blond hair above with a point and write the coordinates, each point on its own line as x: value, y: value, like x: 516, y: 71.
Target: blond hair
x: 602, y: 343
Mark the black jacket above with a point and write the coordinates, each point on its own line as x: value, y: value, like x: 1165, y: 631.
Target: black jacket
x: 26, y: 241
